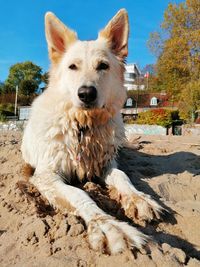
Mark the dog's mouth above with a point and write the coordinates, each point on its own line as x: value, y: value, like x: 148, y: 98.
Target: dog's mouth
x: 90, y: 106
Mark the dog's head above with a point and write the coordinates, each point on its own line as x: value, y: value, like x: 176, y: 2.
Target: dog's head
x: 88, y: 74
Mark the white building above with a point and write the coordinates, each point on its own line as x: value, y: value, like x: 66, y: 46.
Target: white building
x: 131, y: 77
x: 24, y: 112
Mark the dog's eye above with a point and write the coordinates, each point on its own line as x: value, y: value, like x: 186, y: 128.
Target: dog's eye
x: 73, y: 67
x: 102, y: 66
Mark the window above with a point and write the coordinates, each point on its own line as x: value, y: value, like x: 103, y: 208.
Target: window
x: 129, y: 102
x: 129, y: 75
x: 154, y: 101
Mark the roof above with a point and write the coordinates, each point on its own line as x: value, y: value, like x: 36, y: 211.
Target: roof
x: 143, y: 100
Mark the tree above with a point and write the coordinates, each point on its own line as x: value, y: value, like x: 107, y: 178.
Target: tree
x: 177, y: 47
x: 24, y: 74
x: 45, y: 78
x: 27, y: 87
x: 150, y: 68
x: 45, y: 81
x: 1, y: 87
x: 5, y: 88
x: 190, y: 100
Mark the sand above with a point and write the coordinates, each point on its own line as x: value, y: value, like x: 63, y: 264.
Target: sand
x: 32, y: 233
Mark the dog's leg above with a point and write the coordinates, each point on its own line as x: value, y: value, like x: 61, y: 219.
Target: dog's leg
x: 105, y: 233
x: 136, y: 204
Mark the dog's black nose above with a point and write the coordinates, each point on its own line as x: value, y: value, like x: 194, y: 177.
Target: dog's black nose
x: 87, y: 94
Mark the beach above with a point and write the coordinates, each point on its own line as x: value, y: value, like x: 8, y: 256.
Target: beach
x: 32, y: 233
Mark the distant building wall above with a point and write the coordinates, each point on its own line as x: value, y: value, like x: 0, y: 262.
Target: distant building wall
x: 24, y: 113
x: 145, y: 129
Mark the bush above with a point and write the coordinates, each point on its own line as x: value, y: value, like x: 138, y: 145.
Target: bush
x: 162, y: 117
x: 7, y: 107
x: 10, y: 107
x: 2, y: 116
x: 6, y: 110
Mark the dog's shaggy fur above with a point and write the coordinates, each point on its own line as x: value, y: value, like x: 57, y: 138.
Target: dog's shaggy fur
x: 66, y: 140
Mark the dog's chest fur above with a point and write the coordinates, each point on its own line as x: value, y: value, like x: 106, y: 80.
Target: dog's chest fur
x: 89, y: 150
x: 96, y: 148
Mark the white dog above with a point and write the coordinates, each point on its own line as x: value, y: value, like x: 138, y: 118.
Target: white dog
x: 75, y: 130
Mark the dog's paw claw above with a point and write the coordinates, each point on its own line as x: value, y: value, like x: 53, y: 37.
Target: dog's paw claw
x: 111, y: 236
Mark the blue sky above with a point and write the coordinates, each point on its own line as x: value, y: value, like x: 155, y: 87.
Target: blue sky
x: 22, y: 26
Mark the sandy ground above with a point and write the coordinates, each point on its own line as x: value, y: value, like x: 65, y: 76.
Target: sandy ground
x: 166, y: 167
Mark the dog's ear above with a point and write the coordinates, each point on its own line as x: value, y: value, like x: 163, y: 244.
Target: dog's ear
x: 116, y: 33
x: 58, y: 36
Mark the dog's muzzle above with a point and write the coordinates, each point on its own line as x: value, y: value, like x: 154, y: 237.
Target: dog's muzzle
x: 87, y: 95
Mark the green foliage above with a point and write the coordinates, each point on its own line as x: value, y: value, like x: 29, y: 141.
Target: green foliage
x: 7, y: 109
x: 27, y: 87
x: 162, y: 117
x: 45, y: 78
x: 1, y: 87
x: 26, y: 75
x: 2, y: 117
x: 5, y: 88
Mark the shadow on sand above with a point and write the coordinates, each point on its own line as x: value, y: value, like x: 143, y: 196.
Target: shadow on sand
x: 139, y: 165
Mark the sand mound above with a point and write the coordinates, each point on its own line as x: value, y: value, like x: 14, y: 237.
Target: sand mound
x: 32, y: 233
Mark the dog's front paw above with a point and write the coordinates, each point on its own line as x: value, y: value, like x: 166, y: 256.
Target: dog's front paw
x: 137, y: 205
x: 111, y: 236
x: 140, y: 207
